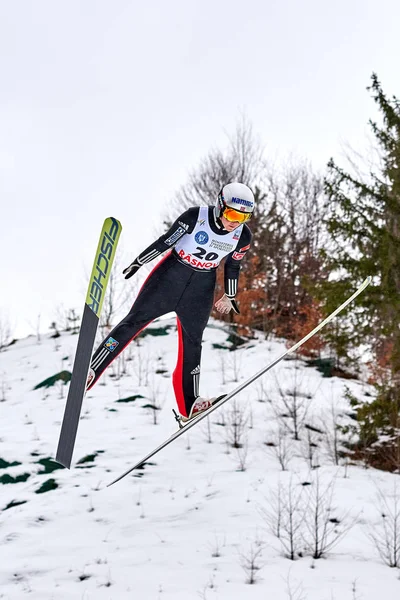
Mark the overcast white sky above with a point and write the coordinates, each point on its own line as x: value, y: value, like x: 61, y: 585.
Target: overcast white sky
x: 105, y: 106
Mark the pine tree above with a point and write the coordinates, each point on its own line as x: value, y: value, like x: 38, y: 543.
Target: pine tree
x: 364, y: 225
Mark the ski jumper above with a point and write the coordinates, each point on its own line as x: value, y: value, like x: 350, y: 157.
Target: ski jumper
x: 183, y: 282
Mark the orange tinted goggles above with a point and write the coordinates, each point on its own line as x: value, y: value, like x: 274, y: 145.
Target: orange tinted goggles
x: 233, y: 215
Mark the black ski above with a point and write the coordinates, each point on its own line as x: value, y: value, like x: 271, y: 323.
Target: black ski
x: 243, y: 385
x: 91, y: 314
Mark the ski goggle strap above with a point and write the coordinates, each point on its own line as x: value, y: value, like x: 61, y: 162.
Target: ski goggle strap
x: 233, y: 215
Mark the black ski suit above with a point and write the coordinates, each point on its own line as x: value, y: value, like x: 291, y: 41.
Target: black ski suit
x: 183, y: 281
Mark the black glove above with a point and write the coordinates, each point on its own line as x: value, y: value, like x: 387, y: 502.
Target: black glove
x: 131, y: 270
x: 233, y: 303
x: 235, y: 306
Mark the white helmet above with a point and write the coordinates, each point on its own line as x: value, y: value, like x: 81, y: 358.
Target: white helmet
x: 237, y: 197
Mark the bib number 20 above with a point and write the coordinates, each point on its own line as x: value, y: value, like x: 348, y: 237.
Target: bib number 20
x: 201, y: 253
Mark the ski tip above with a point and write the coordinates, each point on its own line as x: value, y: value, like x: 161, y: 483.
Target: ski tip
x: 115, y: 221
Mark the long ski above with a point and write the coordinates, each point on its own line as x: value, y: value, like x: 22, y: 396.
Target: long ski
x: 243, y: 385
x: 94, y: 301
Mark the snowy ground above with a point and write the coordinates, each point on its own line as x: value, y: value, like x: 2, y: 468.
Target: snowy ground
x: 186, y: 525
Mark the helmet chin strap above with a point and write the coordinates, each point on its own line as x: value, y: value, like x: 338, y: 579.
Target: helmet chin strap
x: 218, y: 221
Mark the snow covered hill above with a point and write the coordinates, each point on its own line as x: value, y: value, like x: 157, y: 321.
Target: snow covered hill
x: 203, y: 518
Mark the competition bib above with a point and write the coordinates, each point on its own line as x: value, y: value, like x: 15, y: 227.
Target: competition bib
x: 204, y: 249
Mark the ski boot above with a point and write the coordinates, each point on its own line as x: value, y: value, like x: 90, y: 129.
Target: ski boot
x: 198, y: 407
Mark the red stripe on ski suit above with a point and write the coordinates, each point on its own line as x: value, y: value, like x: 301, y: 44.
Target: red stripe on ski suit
x: 178, y: 373
x: 150, y: 274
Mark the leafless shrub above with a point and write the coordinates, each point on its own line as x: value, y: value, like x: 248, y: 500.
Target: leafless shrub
x: 310, y: 447
x: 303, y: 518
x: 250, y: 560
x: 294, y: 405
x: 251, y: 417
x: 332, y: 425
x: 262, y: 394
x: 284, y: 514
x: 324, y: 527
x: 210, y: 585
x: 118, y: 296
x: 221, y: 416
x: 206, y: 428
x: 294, y: 590
x: 60, y: 318
x: 5, y: 331
x: 386, y: 534
x: 36, y: 328
x: 155, y: 403
x: 124, y: 363
x: 61, y: 388
x: 3, y: 389
x: 74, y: 320
x: 54, y: 327
x: 243, y: 161
x: 141, y: 364
x: 236, y: 424
x: 222, y: 363
x: 218, y: 543
x: 281, y: 447
x: 242, y: 455
x: 57, y: 344
x: 346, y: 467
x: 235, y: 364
x: 119, y: 367
x: 355, y: 595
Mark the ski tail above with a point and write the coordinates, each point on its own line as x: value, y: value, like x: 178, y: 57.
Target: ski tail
x: 94, y: 301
